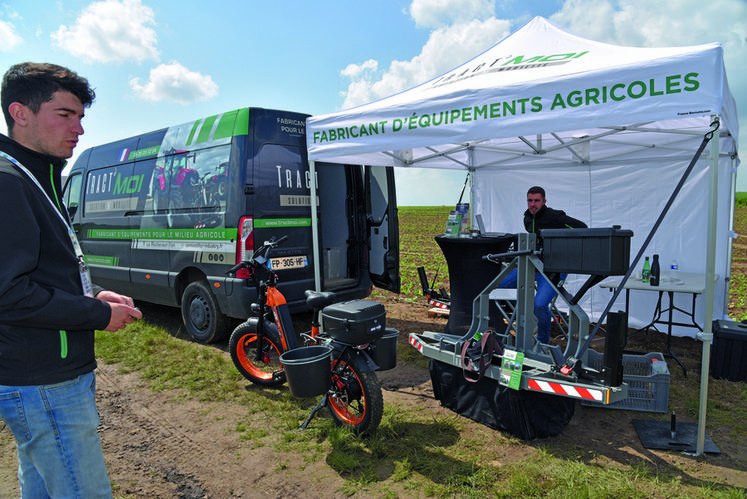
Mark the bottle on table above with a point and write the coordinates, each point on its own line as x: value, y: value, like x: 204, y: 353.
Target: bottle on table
x: 655, y: 272
x: 646, y: 272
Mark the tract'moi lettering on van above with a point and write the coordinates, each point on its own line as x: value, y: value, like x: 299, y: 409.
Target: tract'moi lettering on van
x: 163, y: 215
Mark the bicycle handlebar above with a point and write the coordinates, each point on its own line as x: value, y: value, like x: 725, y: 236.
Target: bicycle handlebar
x: 259, y: 257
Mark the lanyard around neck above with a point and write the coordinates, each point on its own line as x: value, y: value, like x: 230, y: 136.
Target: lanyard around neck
x: 73, y: 238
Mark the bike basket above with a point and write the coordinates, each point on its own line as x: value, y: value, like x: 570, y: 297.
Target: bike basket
x: 307, y: 370
x: 384, y: 351
x: 355, y: 322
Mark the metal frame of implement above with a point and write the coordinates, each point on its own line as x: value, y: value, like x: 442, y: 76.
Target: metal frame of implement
x: 545, y: 368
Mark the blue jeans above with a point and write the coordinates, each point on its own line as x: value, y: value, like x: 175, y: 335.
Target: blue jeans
x: 59, y: 450
x: 542, y: 298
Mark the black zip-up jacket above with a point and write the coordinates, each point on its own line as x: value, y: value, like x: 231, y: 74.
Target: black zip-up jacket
x: 548, y: 218
x: 46, y: 322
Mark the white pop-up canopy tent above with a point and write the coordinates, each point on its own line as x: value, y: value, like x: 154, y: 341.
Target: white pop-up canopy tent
x: 607, y: 130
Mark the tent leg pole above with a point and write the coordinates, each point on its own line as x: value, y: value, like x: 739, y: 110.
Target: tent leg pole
x: 315, y: 228
x: 707, y: 335
x: 732, y: 236
x: 471, y: 177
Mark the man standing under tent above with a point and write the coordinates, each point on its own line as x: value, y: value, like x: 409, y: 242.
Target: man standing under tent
x: 49, y: 308
x: 539, y: 216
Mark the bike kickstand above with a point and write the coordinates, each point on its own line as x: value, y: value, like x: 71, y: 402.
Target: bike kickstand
x: 322, y: 403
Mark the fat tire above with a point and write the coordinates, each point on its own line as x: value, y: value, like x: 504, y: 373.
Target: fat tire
x: 362, y: 414
x: 242, y: 346
x: 201, y: 314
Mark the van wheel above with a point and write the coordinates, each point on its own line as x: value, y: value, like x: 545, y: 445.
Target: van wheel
x: 201, y: 315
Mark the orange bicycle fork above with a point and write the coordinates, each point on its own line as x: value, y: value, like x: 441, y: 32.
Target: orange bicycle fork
x: 269, y: 296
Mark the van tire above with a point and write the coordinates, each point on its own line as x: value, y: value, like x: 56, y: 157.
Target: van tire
x: 201, y: 315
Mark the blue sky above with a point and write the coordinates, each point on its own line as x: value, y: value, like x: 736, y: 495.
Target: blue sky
x: 159, y: 63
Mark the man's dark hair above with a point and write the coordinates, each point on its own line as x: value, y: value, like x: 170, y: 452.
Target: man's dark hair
x: 32, y: 84
x: 537, y: 190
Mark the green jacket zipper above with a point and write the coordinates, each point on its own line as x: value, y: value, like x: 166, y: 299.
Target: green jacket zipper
x: 63, y: 344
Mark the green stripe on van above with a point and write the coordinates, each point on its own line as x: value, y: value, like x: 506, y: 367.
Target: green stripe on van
x: 206, y: 128
x: 241, y: 126
x: 228, y: 123
x: 165, y: 234
x: 144, y: 153
x: 109, y: 261
x: 282, y: 222
x: 192, y: 132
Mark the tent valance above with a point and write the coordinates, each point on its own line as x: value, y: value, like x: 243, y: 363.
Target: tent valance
x: 538, y: 80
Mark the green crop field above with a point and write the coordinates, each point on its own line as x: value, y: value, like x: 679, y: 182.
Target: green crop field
x: 417, y: 247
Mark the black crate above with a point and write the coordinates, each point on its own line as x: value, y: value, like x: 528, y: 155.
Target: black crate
x: 729, y: 350
x: 356, y: 322
x: 602, y: 251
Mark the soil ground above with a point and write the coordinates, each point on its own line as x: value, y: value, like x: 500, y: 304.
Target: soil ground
x: 158, y: 447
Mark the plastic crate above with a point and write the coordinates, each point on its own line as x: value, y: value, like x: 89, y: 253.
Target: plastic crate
x: 647, y: 391
x: 728, y: 350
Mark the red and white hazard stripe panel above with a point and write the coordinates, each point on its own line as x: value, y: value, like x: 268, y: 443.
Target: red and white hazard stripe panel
x: 416, y: 344
x: 568, y: 390
x: 437, y: 304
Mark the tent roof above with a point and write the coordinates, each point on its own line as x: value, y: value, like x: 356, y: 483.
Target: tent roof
x: 537, y: 90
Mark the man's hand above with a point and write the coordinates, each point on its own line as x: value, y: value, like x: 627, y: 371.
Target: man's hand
x: 112, y: 297
x: 123, y: 310
x: 121, y: 316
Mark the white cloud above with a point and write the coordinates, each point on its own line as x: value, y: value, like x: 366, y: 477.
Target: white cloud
x: 439, y: 13
x: 111, y: 31
x: 176, y: 83
x: 656, y: 24
x: 445, y: 49
x: 356, y: 70
x: 10, y: 39
x: 645, y: 23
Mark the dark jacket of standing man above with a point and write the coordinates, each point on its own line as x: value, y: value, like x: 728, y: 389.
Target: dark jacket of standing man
x: 48, y: 307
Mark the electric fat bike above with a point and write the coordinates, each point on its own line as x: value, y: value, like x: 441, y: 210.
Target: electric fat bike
x: 355, y: 334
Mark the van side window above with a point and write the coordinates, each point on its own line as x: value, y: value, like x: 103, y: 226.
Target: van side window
x: 377, y: 201
x: 71, y: 198
x: 187, y: 180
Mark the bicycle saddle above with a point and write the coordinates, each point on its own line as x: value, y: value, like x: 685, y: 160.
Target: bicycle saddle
x: 319, y: 299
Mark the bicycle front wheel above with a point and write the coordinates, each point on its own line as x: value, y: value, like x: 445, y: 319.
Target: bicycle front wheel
x: 356, y: 401
x: 265, y: 370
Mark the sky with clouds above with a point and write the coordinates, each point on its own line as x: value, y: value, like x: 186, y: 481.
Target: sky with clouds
x: 155, y: 64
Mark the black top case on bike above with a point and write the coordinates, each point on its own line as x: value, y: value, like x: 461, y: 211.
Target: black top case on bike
x: 355, y: 322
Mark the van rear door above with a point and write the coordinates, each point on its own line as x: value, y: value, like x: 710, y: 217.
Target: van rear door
x: 383, y: 227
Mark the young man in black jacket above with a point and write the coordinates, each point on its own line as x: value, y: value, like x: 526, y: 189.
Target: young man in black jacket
x: 49, y: 308
x: 539, y: 216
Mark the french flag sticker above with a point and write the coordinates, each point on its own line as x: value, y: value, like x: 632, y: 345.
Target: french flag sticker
x: 124, y: 154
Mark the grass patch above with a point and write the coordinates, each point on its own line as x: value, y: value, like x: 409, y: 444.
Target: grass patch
x: 741, y: 198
